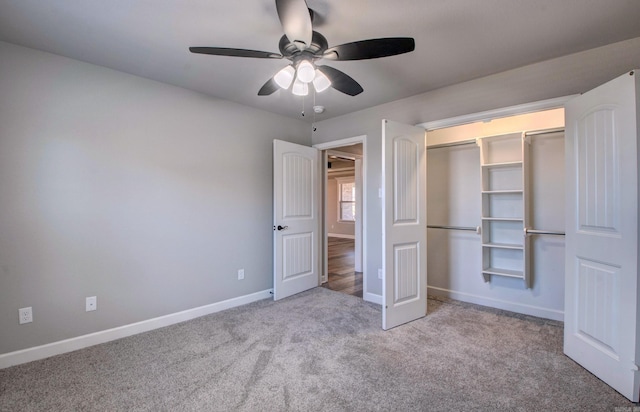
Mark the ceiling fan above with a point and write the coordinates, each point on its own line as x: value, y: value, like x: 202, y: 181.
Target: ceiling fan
x: 304, y: 47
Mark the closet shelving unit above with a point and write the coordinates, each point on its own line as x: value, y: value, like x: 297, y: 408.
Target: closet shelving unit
x: 505, y: 215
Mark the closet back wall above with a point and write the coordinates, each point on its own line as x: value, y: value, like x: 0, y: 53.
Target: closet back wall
x: 454, y: 261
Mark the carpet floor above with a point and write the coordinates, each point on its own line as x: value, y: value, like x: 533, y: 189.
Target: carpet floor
x: 320, y: 351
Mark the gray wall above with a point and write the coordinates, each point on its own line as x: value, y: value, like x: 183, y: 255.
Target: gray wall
x: 148, y: 196
x: 553, y: 78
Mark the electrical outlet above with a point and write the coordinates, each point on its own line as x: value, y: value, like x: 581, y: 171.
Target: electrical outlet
x: 91, y: 303
x: 25, y: 315
x: 379, y: 273
x: 240, y: 274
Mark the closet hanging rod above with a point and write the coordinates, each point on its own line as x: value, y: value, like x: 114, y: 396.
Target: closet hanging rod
x: 545, y: 131
x: 528, y: 231
x: 473, y: 141
x: 459, y: 143
x: 469, y: 228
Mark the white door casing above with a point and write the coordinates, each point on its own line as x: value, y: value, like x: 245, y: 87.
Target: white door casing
x: 404, y: 237
x: 359, y: 209
x: 295, y: 218
x: 601, y: 266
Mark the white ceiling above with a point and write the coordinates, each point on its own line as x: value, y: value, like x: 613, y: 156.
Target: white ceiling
x: 456, y: 40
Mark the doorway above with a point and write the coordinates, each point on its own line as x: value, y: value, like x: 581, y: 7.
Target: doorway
x: 344, y: 272
x: 342, y: 257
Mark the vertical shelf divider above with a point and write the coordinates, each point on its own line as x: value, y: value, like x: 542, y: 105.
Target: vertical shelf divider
x: 526, y: 142
x: 504, y: 163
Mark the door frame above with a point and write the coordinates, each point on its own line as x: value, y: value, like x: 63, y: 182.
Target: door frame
x: 335, y: 144
x: 489, y: 115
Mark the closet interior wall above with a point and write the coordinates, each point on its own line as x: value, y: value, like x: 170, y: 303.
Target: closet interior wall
x: 454, y: 262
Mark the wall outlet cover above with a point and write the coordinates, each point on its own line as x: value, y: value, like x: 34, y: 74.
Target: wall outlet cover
x: 240, y: 274
x: 25, y: 315
x: 91, y: 303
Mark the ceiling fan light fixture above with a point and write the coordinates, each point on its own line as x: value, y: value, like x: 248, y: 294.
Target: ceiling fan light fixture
x: 321, y: 82
x: 303, y: 47
x: 284, y: 77
x: 306, y: 72
x: 300, y: 88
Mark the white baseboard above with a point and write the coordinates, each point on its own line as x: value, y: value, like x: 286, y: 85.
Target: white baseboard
x: 499, y: 304
x: 69, y: 345
x: 373, y: 298
x: 340, y: 235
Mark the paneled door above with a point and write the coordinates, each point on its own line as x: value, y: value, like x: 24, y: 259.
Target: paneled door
x: 601, y: 265
x: 295, y: 218
x: 404, y: 238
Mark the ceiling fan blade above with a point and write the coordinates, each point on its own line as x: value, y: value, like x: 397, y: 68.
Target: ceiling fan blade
x: 371, y: 49
x: 340, y: 81
x: 224, y: 51
x: 296, y: 21
x: 268, y: 88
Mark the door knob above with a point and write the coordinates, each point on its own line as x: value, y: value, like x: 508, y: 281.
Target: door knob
x: 283, y: 227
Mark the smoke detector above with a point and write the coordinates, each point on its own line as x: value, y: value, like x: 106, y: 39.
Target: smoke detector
x: 318, y: 109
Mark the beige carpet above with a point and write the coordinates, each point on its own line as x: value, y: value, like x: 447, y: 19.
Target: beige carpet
x: 319, y: 351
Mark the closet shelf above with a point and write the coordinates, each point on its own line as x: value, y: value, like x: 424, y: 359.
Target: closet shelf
x: 504, y: 245
x: 503, y: 164
x: 504, y: 272
x: 502, y: 192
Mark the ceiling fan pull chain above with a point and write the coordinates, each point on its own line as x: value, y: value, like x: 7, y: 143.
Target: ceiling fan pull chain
x: 313, y: 124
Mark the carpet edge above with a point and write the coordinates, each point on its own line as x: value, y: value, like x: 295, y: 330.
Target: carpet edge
x: 79, y: 342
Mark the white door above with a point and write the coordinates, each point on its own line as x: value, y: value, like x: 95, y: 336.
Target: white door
x: 295, y: 218
x: 601, y: 265
x: 404, y: 237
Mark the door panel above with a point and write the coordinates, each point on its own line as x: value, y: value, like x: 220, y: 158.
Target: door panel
x: 601, y: 270
x: 295, y: 219
x: 404, y: 227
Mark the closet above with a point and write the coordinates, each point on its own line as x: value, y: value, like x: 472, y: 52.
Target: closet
x: 495, y: 213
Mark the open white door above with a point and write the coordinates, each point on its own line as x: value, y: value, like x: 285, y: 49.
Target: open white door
x: 295, y: 218
x: 601, y: 274
x: 404, y: 237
